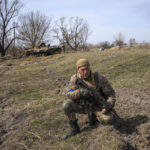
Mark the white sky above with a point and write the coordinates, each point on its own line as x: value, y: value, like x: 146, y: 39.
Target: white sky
x: 105, y: 17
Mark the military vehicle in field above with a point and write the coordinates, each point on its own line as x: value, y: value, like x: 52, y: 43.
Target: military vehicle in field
x: 43, y: 50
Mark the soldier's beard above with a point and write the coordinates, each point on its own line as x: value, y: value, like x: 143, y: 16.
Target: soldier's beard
x: 88, y: 78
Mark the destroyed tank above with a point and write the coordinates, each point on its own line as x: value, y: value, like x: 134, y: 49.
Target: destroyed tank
x: 43, y: 50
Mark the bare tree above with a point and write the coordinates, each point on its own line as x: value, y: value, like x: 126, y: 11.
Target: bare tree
x: 79, y: 31
x: 104, y: 45
x: 73, y: 34
x: 119, y: 40
x: 132, y: 42
x: 60, y: 32
x: 34, y: 29
x: 9, y: 9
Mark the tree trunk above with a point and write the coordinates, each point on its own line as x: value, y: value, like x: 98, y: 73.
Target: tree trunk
x: 2, y: 51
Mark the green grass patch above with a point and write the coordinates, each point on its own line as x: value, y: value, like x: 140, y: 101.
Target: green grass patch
x: 34, y: 81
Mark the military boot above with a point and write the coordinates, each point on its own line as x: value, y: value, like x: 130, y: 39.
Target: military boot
x: 93, y: 121
x: 74, y: 129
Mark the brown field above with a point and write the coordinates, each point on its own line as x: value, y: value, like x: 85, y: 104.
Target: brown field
x: 32, y: 92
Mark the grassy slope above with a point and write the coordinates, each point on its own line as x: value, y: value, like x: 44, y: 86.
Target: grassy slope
x: 36, y: 88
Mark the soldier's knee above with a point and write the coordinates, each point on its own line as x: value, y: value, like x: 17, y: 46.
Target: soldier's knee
x: 106, y: 119
x: 67, y: 107
x: 109, y: 120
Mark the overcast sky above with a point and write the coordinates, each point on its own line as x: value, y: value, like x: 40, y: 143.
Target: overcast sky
x: 106, y: 17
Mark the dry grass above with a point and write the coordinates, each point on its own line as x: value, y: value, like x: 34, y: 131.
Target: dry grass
x: 31, y: 94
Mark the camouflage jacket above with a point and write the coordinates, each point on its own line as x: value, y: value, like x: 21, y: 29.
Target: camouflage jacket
x: 104, y: 88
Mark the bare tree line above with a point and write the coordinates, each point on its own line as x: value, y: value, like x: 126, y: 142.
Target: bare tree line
x: 34, y: 28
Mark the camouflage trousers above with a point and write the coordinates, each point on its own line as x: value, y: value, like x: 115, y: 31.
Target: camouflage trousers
x: 70, y: 108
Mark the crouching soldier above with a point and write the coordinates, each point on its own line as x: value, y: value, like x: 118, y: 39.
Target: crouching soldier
x: 79, y: 98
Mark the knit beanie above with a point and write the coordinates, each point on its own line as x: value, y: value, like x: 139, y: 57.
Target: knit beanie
x: 82, y: 62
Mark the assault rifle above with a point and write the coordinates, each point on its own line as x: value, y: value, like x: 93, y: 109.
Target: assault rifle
x: 97, y: 98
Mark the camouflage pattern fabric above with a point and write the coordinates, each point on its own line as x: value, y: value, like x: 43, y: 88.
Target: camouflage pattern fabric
x: 84, y: 107
x: 78, y: 104
x: 103, y: 87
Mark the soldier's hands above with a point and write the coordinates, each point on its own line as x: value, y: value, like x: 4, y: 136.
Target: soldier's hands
x: 104, y: 111
x: 85, y: 93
